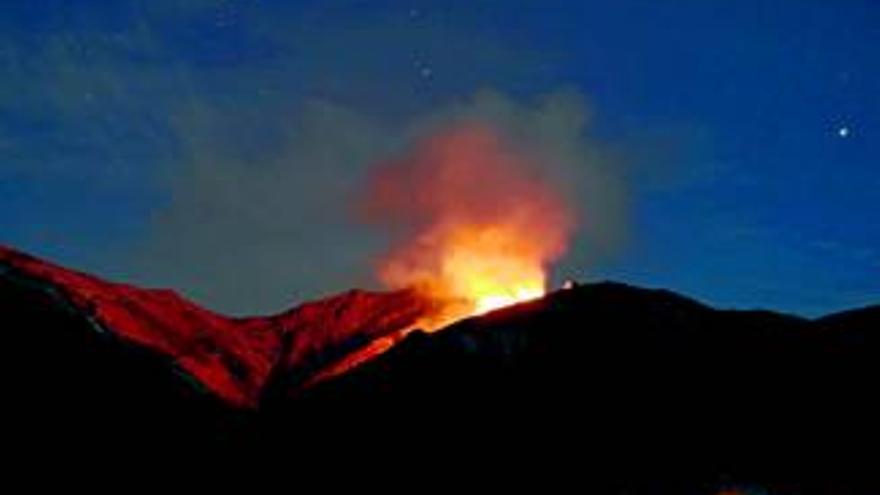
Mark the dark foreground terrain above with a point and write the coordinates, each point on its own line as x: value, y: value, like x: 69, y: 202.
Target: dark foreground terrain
x: 625, y: 389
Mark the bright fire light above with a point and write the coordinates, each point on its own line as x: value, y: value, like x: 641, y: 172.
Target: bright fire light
x: 491, y: 268
x: 491, y: 302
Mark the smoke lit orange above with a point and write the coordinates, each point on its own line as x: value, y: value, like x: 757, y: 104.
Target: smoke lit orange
x: 476, y: 225
x: 491, y: 266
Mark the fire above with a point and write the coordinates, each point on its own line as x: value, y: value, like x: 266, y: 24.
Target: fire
x: 491, y: 267
x: 506, y: 297
x: 476, y: 225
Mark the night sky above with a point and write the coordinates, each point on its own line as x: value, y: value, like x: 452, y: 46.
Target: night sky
x: 210, y: 146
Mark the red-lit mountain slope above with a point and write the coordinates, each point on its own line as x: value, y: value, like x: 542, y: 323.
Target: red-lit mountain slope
x: 231, y: 357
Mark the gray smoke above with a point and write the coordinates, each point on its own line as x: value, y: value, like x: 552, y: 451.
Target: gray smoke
x: 260, y: 215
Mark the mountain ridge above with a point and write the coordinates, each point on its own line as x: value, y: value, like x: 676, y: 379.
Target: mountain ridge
x: 317, y: 340
x: 231, y: 356
x: 648, y: 384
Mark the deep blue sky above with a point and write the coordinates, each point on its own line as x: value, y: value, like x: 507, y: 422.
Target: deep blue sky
x: 767, y: 195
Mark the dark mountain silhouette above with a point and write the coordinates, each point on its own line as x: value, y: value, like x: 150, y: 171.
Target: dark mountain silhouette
x: 632, y: 389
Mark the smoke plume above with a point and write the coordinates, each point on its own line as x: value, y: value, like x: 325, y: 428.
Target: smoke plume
x: 471, y: 218
x: 258, y: 222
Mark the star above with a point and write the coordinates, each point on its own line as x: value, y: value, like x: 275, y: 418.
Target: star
x: 844, y: 132
x: 424, y: 69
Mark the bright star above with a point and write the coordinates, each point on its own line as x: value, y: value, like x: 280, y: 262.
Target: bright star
x: 843, y: 132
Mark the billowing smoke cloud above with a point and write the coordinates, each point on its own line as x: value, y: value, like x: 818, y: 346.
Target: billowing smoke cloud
x: 256, y: 227
x: 473, y: 219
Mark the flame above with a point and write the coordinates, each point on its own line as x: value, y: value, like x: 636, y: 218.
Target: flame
x: 477, y: 225
x: 477, y: 269
x: 492, y: 267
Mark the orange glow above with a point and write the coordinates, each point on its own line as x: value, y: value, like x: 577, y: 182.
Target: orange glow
x: 477, y: 224
x: 477, y: 269
x: 492, y: 267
